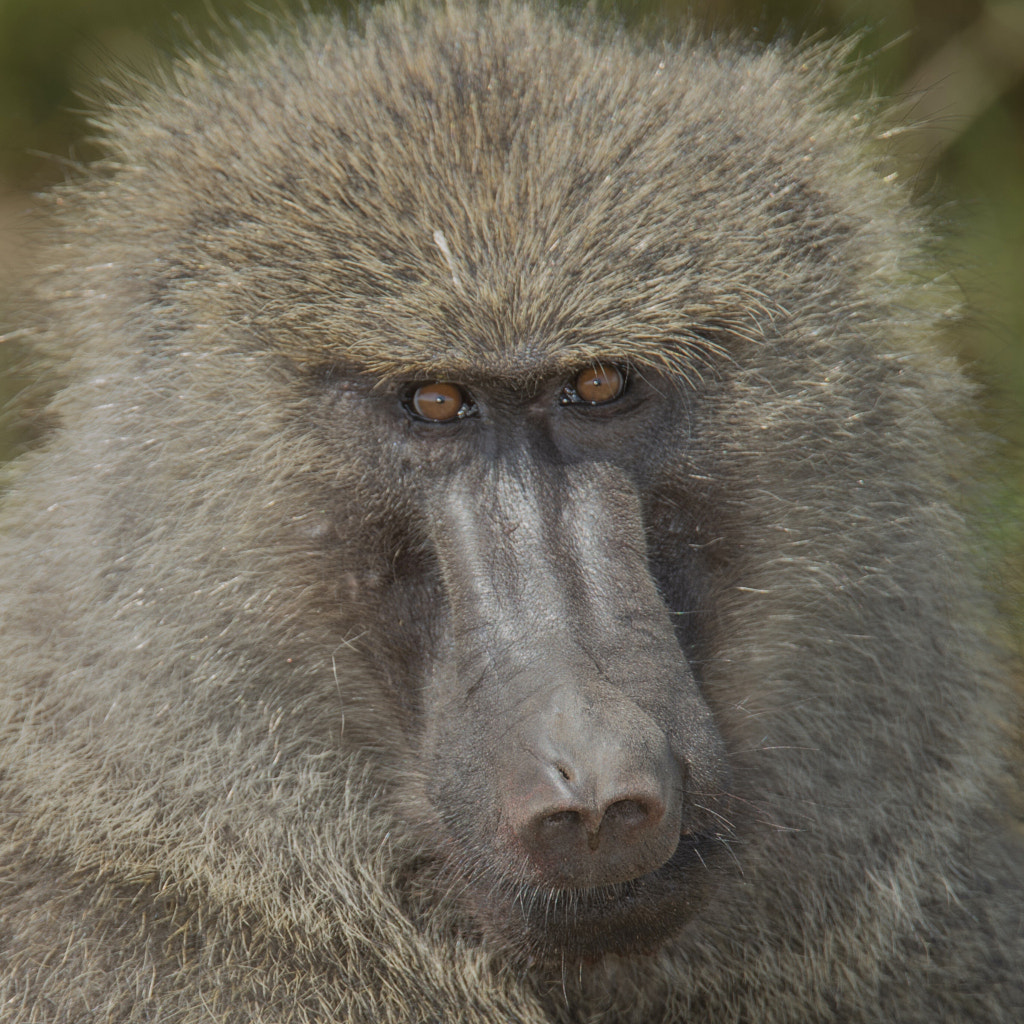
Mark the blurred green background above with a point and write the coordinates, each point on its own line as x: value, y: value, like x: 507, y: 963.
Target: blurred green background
x: 955, y: 68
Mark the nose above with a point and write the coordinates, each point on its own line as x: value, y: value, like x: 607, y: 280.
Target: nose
x: 596, y: 802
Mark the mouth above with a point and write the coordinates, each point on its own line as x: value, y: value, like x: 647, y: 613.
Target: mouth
x: 625, y: 918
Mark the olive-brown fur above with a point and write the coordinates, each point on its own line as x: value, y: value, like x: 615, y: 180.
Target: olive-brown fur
x: 226, y: 595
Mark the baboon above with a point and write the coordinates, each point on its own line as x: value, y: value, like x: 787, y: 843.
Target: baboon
x: 499, y: 556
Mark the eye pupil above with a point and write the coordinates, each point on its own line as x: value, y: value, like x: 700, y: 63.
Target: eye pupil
x: 601, y: 383
x: 438, y: 401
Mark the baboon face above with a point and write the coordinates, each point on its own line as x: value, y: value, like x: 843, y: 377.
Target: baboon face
x: 574, y: 767
x: 508, y: 341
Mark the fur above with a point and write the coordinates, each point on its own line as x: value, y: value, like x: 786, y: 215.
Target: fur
x: 211, y: 803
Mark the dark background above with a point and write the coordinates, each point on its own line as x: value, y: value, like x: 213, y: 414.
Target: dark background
x: 955, y: 69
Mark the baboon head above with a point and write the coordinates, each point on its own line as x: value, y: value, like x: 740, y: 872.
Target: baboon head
x: 511, y: 408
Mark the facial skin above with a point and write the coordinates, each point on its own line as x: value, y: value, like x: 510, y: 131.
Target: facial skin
x: 574, y: 763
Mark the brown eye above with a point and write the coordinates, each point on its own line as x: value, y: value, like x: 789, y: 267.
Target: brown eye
x: 438, y: 402
x: 600, y: 383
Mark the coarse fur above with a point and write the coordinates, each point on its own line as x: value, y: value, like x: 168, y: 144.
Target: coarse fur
x: 221, y: 603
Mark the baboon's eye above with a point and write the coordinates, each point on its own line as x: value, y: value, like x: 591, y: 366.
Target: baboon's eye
x: 439, y: 402
x: 596, y: 385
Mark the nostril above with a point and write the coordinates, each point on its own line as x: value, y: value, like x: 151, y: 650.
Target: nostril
x: 566, y: 819
x: 621, y: 821
x: 633, y: 813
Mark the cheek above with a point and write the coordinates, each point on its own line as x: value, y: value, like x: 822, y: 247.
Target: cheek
x: 406, y: 632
